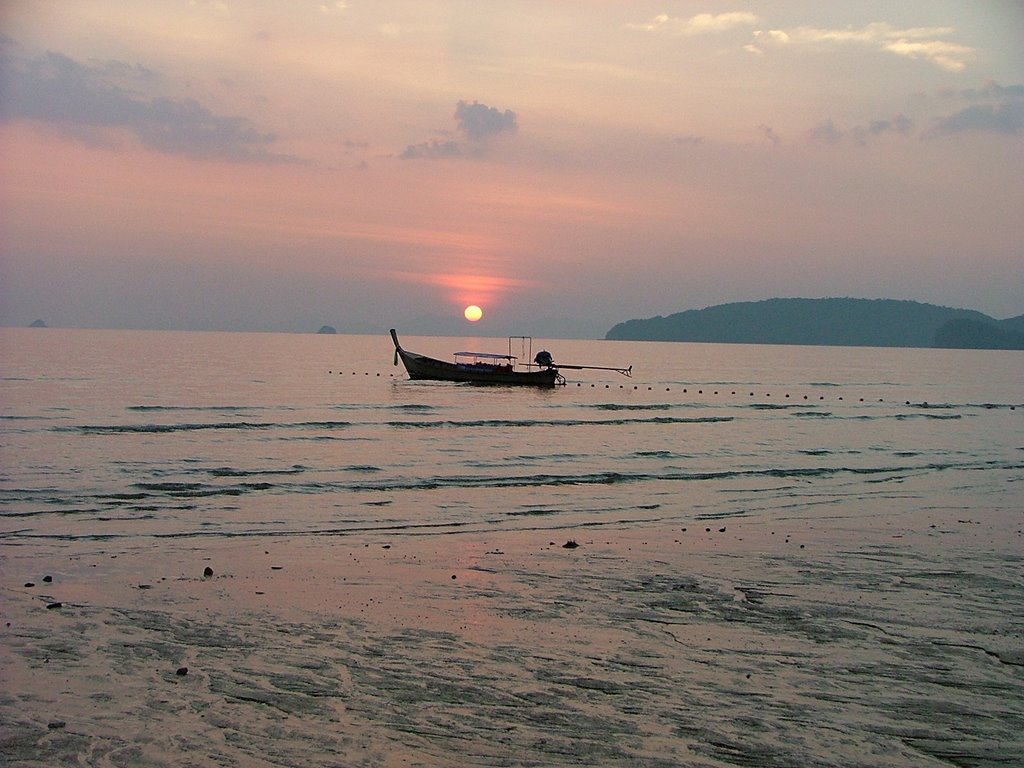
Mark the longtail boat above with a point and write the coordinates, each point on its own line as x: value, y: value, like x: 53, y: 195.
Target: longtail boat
x: 489, y: 368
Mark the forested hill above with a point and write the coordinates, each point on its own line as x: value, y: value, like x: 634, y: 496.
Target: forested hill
x: 834, y: 322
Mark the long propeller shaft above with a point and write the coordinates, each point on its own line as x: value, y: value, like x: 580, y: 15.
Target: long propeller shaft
x: 623, y: 371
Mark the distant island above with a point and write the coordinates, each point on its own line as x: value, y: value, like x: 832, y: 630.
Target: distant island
x: 37, y: 324
x: 327, y: 329
x: 831, y: 322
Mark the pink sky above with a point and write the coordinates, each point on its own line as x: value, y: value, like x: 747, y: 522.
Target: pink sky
x: 565, y: 165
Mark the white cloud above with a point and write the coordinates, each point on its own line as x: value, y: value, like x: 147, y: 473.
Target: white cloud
x: 773, y: 35
x: 705, y: 22
x: 928, y: 43
x: 701, y: 24
x: 949, y: 56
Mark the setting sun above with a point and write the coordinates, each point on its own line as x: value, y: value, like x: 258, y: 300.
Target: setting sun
x: 473, y: 313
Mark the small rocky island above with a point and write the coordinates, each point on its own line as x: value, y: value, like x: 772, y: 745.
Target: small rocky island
x: 327, y: 329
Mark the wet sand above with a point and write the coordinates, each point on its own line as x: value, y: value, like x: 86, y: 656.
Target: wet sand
x: 872, y: 640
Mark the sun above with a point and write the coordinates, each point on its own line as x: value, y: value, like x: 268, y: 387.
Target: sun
x: 473, y: 313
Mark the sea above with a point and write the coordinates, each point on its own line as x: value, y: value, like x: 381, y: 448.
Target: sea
x: 737, y: 556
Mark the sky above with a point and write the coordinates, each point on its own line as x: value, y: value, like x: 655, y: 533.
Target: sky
x: 278, y: 165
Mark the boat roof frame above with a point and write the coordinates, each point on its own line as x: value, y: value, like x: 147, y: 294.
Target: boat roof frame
x: 486, y: 355
x: 526, y: 342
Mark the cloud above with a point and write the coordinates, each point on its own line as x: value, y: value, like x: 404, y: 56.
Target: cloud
x: 1006, y: 118
x: 827, y: 132
x: 701, y: 24
x: 898, y: 124
x: 992, y: 90
x: 480, y: 122
x: 949, y: 56
x: 431, y: 150
x: 931, y: 44
x: 992, y: 109
x: 689, y: 139
x: 90, y: 101
x: 769, y: 135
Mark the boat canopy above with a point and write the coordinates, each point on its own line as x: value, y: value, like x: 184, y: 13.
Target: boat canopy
x: 485, y: 355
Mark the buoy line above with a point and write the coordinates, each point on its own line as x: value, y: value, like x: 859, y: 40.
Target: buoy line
x: 731, y: 393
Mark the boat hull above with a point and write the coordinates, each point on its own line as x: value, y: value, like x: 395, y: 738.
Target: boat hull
x: 421, y: 367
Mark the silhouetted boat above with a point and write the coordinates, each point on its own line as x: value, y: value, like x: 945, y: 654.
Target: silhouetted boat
x: 477, y: 368
x: 489, y: 368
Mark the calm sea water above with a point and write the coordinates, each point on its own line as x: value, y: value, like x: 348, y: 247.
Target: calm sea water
x: 902, y: 651
x: 138, y: 434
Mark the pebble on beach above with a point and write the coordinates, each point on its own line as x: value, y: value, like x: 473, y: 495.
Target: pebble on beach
x: 570, y: 544
x: 207, y: 572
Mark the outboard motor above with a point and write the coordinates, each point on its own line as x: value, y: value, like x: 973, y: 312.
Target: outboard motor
x: 544, y: 359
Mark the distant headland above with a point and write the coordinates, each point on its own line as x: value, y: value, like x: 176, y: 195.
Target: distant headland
x: 831, y: 322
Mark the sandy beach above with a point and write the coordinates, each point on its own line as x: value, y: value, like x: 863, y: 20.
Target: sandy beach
x: 809, y: 641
